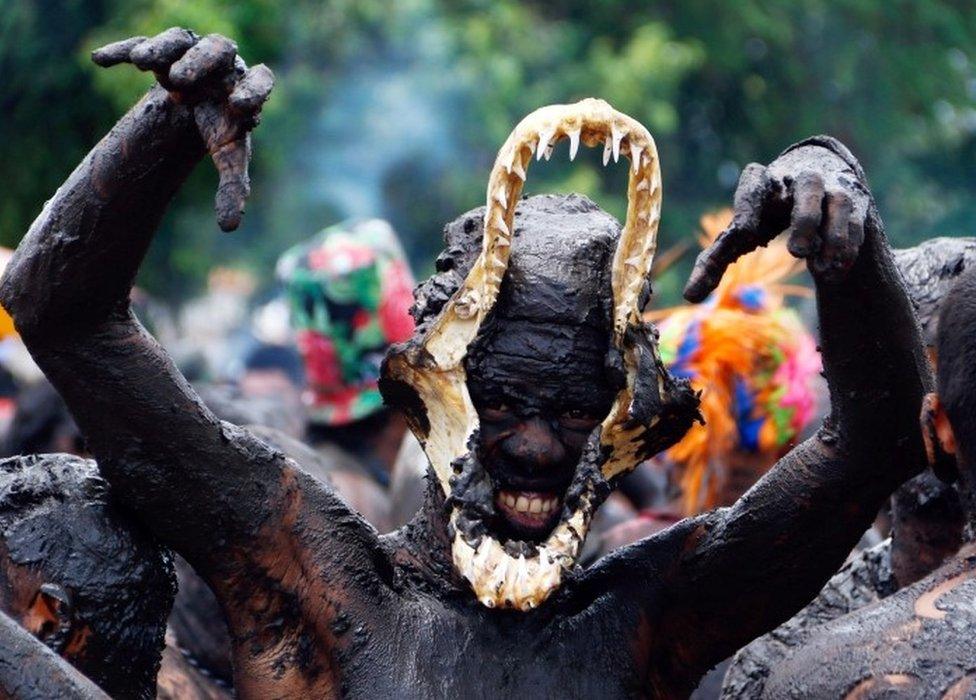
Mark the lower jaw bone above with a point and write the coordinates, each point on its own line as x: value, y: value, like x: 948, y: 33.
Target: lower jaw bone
x: 500, y: 580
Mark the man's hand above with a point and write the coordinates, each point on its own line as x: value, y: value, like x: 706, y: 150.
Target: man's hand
x: 810, y: 191
x: 226, y: 96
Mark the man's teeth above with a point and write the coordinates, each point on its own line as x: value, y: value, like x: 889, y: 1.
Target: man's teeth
x: 534, y: 505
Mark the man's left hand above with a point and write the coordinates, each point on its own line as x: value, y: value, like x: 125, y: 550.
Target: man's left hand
x: 809, y: 191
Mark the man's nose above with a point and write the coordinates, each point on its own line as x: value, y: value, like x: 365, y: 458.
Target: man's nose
x: 535, y: 445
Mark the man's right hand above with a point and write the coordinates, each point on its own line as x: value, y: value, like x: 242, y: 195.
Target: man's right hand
x: 226, y: 96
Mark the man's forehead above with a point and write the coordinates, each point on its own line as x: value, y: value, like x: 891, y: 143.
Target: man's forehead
x: 549, y: 346
x: 540, y: 363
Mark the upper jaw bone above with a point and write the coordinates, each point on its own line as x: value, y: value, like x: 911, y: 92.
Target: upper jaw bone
x: 591, y: 121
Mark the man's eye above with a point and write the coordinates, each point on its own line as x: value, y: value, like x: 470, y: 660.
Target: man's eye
x: 577, y: 419
x: 496, y: 412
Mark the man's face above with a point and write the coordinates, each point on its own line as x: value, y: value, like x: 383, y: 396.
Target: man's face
x: 540, y: 391
x: 42, y: 607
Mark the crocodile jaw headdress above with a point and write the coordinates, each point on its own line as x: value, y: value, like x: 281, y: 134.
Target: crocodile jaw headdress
x: 649, y: 412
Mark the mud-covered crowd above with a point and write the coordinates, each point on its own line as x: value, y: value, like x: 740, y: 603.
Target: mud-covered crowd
x: 521, y: 476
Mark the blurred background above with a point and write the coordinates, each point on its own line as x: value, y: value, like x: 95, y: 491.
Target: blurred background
x: 396, y: 109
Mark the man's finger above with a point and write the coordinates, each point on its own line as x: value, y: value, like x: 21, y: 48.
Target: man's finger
x: 213, y: 54
x: 838, y: 249
x: 808, y: 194
x: 712, y: 262
x: 750, y: 196
x: 116, y: 52
x: 252, y: 90
x: 738, y: 239
x: 164, y: 49
x: 231, y: 160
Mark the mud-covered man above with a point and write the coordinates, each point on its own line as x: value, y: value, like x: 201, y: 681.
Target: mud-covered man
x: 559, y: 373
x: 77, y: 575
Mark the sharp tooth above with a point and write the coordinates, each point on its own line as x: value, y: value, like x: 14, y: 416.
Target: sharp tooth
x: 521, y: 573
x: 513, y: 160
x: 498, y: 261
x: 635, y: 156
x: 500, y: 195
x: 481, y: 556
x: 503, y: 242
x: 616, y: 136
x: 522, y: 504
x: 607, y: 149
x: 499, y: 574
x: 518, y: 169
x: 633, y: 262
x: 494, y: 277
x: 501, y: 225
x: 535, y: 506
x: 642, y: 185
x: 543, y: 147
x: 574, y: 139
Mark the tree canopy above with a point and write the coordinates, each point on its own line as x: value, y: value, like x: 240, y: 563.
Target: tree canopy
x: 397, y: 109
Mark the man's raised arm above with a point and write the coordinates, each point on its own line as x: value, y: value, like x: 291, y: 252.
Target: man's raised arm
x: 745, y: 569
x: 194, y: 481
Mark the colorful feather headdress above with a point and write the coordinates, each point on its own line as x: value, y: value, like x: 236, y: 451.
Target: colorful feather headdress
x: 752, y: 359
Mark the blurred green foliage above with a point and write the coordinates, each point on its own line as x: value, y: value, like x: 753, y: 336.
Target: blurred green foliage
x: 396, y: 109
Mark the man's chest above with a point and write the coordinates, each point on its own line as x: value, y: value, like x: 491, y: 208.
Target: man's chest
x: 430, y: 651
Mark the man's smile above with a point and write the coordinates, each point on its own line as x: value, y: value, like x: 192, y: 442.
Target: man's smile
x: 529, y: 511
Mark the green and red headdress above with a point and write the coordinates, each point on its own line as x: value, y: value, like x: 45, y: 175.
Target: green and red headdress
x: 349, y: 289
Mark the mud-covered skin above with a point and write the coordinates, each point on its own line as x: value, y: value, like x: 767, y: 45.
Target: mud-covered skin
x: 917, y: 643
x: 927, y: 527
x: 199, y: 629
x: 79, y: 574
x: 232, y: 506
x: 927, y: 530
x: 929, y: 269
x: 552, y: 318
x: 317, y: 604
x: 29, y: 670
